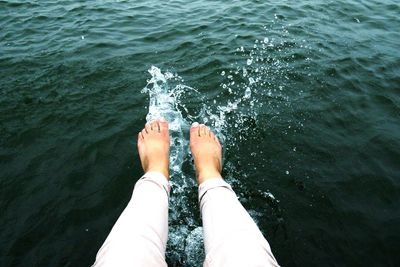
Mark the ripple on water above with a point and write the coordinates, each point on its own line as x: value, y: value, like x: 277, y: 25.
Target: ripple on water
x: 307, y: 108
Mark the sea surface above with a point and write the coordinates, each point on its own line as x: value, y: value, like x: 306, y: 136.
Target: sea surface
x: 304, y: 95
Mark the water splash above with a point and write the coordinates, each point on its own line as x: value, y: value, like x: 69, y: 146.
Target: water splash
x: 165, y: 91
x: 256, y: 85
x: 162, y: 104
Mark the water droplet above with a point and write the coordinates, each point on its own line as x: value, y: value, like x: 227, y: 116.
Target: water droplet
x: 249, y: 61
x: 251, y: 80
x: 247, y: 93
x: 266, y: 40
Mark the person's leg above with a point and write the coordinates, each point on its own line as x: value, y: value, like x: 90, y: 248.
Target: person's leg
x: 231, y: 237
x: 139, y: 236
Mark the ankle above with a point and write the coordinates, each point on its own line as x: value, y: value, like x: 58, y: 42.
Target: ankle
x: 162, y: 170
x: 204, y: 175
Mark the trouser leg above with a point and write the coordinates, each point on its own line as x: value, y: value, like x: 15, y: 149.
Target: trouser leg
x: 231, y: 237
x: 139, y: 236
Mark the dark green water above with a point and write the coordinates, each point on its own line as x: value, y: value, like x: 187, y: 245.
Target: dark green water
x: 318, y: 128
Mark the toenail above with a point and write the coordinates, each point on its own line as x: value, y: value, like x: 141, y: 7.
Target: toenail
x: 195, y: 124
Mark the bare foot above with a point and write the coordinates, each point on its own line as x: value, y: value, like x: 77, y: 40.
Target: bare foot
x: 153, y: 146
x: 206, y: 151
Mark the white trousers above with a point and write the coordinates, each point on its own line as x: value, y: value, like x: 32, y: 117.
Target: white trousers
x: 139, y: 237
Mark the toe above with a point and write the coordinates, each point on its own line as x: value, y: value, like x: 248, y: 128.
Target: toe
x: 154, y: 126
x: 140, y: 136
x: 207, y: 131
x: 212, y: 135
x: 147, y: 127
x: 217, y: 141
x: 202, y: 130
x: 163, y: 124
x: 143, y: 133
x: 194, y: 130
